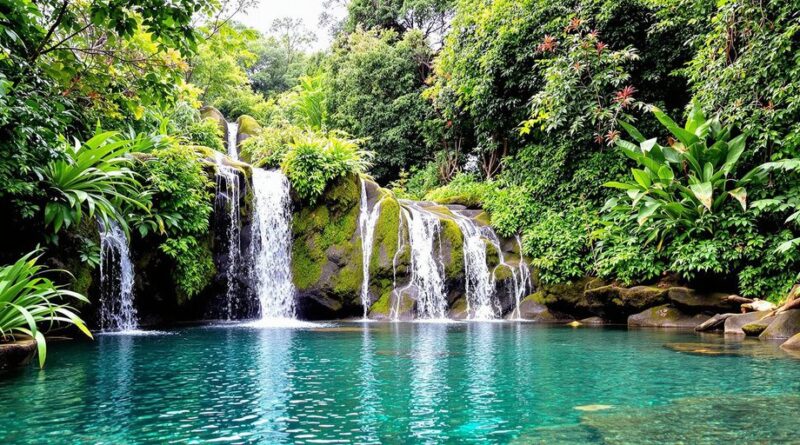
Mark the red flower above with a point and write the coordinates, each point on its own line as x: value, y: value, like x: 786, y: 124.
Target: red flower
x: 624, y: 97
x: 599, y: 138
x: 600, y: 46
x: 548, y: 44
x: 574, y: 24
x: 594, y: 34
x: 612, y: 136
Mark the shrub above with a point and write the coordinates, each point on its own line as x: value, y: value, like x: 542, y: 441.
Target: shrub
x: 559, y: 243
x: 464, y: 189
x: 181, y: 208
x: 93, y: 177
x: 269, y: 147
x: 28, y: 300
x: 314, y: 160
x: 206, y: 132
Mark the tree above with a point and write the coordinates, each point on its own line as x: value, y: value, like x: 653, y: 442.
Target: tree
x: 375, y: 83
x: 430, y: 17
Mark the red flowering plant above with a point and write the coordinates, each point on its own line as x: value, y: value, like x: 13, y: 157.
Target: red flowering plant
x: 586, y: 85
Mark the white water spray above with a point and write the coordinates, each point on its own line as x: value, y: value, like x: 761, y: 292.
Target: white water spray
x: 424, y: 230
x: 367, y: 219
x: 522, y: 280
x: 272, y: 244
x: 227, y: 203
x: 233, y: 136
x: 116, y: 281
x: 479, y: 281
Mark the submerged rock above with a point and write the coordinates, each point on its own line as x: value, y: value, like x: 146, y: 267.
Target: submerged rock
x: 665, y: 316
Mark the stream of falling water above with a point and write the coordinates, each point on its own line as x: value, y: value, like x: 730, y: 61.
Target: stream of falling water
x: 479, y: 280
x: 367, y: 219
x: 117, y: 312
x: 227, y: 205
x: 424, y: 231
x: 272, y: 244
x: 233, y: 136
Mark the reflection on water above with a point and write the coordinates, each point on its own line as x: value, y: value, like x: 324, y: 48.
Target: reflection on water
x: 403, y: 383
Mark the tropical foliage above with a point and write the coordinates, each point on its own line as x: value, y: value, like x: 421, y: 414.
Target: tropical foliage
x: 29, y: 300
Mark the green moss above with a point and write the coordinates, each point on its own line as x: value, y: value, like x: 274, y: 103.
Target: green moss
x: 248, y: 125
x: 502, y: 273
x: 329, y: 225
x: 483, y: 219
x: 386, y: 228
x: 306, y: 264
x: 451, y: 234
x: 492, y: 255
x: 382, y: 306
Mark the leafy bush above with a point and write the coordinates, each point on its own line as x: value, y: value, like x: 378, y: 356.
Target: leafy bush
x: 681, y: 183
x: 464, y: 189
x: 181, y: 208
x: 416, y: 183
x: 206, y: 133
x: 558, y: 244
x: 269, y: 147
x: 314, y: 160
x: 93, y: 177
x: 28, y: 299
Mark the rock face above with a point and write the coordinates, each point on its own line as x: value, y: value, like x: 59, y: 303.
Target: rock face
x: 248, y: 127
x: 16, y: 354
x: 214, y: 114
x: 666, y: 316
x: 785, y: 325
x: 691, y: 300
x: 793, y: 343
x: 530, y: 310
x: 734, y: 324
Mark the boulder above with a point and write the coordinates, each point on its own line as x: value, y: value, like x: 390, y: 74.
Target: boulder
x: 248, y: 127
x: 16, y: 354
x: 665, y: 316
x: 792, y: 343
x: 617, y: 303
x: 212, y: 113
x: 758, y: 306
x: 785, y: 325
x: 755, y: 328
x: 692, y: 301
x: 714, y: 323
x: 533, y: 311
x: 734, y: 324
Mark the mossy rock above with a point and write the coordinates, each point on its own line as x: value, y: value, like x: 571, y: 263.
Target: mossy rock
x: 385, y: 237
x: 454, y: 246
x: 326, y: 251
x: 615, y: 302
x: 734, y: 324
x: 248, y: 127
x: 459, y: 308
x: 492, y: 254
x: 503, y: 272
x: 665, y: 316
x: 209, y: 112
x: 754, y: 329
x: 785, y: 325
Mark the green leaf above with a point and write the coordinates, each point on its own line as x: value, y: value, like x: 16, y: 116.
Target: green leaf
x: 632, y: 131
x: 642, y: 178
x: 703, y: 192
x: 740, y: 194
x: 684, y: 136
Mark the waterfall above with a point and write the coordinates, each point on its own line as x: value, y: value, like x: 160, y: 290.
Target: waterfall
x: 272, y: 244
x: 233, y: 135
x: 522, y: 280
x: 424, y: 231
x: 226, y: 206
x: 116, y: 280
x: 479, y: 281
x: 367, y: 219
x: 401, y: 246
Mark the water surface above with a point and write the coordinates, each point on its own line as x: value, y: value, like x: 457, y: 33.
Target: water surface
x: 404, y: 383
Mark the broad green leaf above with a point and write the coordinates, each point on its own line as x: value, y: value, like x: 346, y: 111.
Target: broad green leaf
x: 641, y: 177
x: 703, y: 192
x: 632, y: 131
x: 684, y: 136
x: 740, y: 194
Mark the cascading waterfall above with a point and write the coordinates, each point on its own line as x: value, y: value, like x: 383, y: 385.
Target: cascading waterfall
x: 227, y: 204
x: 522, y: 280
x: 424, y: 231
x: 233, y: 136
x: 272, y: 244
x: 116, y: 280
x: 480, y: 284
x: 367, y: 219
x: 394, y: 313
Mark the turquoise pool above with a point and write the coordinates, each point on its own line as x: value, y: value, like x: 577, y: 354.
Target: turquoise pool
x: 404, y: 383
